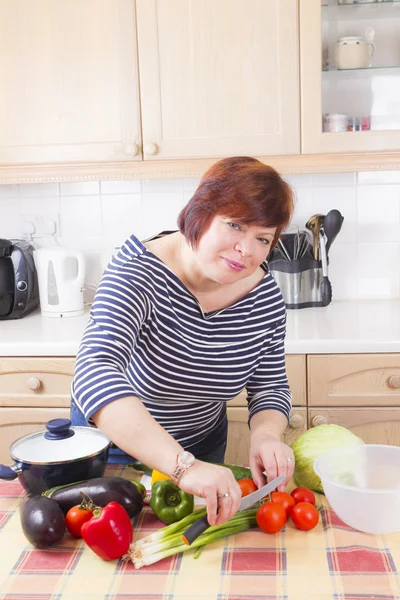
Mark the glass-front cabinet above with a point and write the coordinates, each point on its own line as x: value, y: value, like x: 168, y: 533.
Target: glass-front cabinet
x: 350, y: 75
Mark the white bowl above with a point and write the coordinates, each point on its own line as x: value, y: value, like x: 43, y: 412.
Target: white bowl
x: 362, y: 485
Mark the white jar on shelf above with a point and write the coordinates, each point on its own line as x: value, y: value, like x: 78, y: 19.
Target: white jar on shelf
x: 353, y: 53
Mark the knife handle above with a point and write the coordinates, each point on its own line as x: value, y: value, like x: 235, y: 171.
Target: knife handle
x: 196, y: 529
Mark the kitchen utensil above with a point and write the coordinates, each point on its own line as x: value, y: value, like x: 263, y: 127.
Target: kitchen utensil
x: 314, y: 225
x: 332, y: 225
x: 61, y: 274
x: 19, y: 292
x: 58, y: 456
x: 326, y: 288
x: 362, y: 485
x: 353, y: 52
x: 202, y: 524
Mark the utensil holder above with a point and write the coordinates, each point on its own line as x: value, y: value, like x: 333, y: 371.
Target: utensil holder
x: 299, y: 281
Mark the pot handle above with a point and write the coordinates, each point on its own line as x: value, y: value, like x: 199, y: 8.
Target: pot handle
x: 10, y: 472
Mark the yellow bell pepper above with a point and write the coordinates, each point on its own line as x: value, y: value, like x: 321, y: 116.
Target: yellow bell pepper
x: 157, y: 476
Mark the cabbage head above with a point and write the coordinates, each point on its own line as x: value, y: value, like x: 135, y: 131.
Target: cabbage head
x: 311, y: 444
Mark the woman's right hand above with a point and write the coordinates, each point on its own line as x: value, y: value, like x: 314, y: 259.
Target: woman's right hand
x: 212, y: 483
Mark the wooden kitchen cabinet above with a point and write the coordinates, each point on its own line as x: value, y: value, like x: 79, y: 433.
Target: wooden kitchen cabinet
x: 238, y: 446
x: 333, y: 88
x: 69, y: 83
x: 16, y: 422
x: 32, y: 392
x: 354, y: 380
x: 218, y: 78
x: 372, y: 425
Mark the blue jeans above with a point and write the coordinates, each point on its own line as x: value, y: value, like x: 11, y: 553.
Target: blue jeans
x: 212, y: 449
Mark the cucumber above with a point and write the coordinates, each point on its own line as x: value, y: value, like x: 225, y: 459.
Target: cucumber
x: 238, y: 472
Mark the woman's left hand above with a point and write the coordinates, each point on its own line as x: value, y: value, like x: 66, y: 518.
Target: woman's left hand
x: 269, y: 454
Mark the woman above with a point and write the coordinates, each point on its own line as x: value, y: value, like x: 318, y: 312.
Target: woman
x: 181, y: 324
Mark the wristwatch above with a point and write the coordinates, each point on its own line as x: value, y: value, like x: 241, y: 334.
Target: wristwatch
x: 184, y: 461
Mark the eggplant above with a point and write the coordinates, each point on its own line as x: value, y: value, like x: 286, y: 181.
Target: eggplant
x: 42, y: 521
x: 101, y: 491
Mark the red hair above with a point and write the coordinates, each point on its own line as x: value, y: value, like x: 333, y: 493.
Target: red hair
x: 239, y: 187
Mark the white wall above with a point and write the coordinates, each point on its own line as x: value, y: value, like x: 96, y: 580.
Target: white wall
x: 97, y: 216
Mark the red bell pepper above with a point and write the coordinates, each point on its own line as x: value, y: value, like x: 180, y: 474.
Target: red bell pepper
x: 109, y: 532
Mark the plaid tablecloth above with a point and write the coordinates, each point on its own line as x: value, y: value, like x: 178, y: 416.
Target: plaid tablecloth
x: 330, y: 562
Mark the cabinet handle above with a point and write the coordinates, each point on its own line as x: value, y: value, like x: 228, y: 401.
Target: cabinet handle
x: 150, y: 149
x: 132, y: 149
x: 394, y: 382
x: 34, y: 383
x: 296, y: 421
x: 318, y: 420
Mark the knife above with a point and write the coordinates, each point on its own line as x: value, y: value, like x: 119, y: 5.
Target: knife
x: 202, y: 524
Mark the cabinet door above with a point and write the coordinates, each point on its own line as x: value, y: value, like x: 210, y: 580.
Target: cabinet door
x: 372, y: 425
x: 349, y: 99
x: 34, y: 382
x: 237, y: 451
x: 69, y: 89
x: 354, y: 380
x: 218, y: 78
x: 16, y: 422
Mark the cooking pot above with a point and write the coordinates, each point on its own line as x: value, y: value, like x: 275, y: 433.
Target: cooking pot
x: 58, y: 456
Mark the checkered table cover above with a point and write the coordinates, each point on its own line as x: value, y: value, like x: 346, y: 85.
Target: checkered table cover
x: 330, y: 562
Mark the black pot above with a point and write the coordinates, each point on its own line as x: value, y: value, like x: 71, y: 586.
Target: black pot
x: 58, y: 456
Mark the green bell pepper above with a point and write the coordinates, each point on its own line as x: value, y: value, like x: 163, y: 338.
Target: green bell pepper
x: 169, y: 503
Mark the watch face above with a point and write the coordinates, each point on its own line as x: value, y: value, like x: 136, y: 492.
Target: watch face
x: 186, y: 458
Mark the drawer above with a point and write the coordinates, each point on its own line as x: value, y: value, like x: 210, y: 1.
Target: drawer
x: 354, y: 380
x: 41, y: 382
x: 372, y: 425
x: 296, y: 372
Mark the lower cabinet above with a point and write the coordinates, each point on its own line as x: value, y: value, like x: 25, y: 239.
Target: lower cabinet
x: 16, y: 422
x: 237, y: 451
x: 372, y: 425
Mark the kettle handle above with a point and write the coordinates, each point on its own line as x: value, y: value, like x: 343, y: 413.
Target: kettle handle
x: 81, y: 266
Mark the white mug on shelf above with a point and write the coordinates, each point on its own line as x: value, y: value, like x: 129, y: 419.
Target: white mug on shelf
x: 353, y: 52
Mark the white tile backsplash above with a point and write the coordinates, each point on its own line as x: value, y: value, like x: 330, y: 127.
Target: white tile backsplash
x: 95, y: 217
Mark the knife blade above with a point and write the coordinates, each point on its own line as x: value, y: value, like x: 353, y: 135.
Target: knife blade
x: 199, y: 526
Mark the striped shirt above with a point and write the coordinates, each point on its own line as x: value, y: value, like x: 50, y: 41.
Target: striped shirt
x: 147, y: 336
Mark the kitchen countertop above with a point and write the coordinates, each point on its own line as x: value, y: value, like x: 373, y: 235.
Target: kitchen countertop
x: 331, y: 562
x: 342, y: 327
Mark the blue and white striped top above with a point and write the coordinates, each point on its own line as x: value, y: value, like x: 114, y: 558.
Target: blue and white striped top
x: 147, y: 336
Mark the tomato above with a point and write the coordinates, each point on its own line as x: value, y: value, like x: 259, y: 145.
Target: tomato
x: 247, y: 486
x: 305, y: 516
x: 285, y: 500
x: 76, y: 517
x: 301, y: 494
x: 271, y: 517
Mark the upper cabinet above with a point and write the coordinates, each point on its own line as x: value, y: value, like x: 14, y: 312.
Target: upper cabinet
x: 218, y: 78
x: 350, y: 75
x: 69, y: 85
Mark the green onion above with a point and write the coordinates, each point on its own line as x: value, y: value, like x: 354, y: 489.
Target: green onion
x: 168, y: 540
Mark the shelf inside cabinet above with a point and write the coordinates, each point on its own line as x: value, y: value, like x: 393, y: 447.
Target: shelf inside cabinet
x: 368, y: 10
x: 362, y: 73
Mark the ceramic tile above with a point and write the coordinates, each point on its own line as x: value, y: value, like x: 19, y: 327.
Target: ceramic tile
x: 378, y: 214
x: 342, y: 271
x: 161, y: 186
x: 333, y: 179
x: 190, y: 184
x: 160, y: 211
x: 379, y: 177
x: 40, y: 206
x: 9, y: 191
x: 38, y: 190
x: 83, y: 188
x: 80, y: 219
x: 122, y: 216
x: 298, y: 180
x: 378, y: 270
x: 133, y: 186
x: 10, y: 224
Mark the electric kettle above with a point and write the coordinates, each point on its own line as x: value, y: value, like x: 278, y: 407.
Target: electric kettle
x: 61, y: 274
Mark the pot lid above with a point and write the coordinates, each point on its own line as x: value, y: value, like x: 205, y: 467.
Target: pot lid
x: 351, y: 40
x: 60, y: 443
